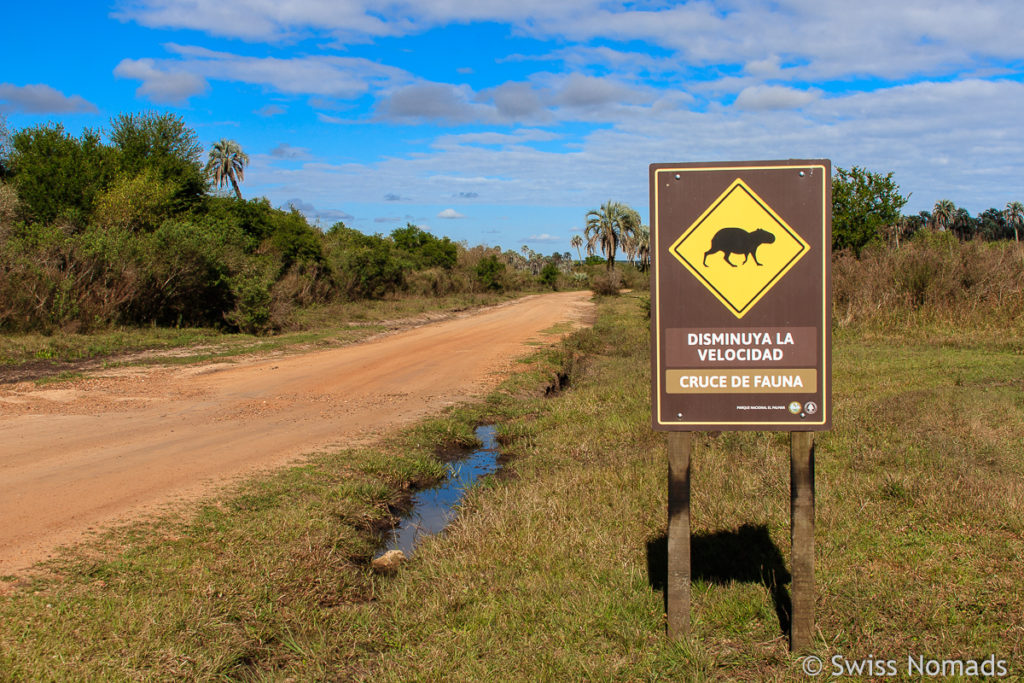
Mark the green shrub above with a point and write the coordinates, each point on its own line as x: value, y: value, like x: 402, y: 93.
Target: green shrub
x: 549, y: 275
x: 370, y: 272
x: 142, y: 202
x: 162, y: 144
x: 253, y: 310
x: 57, y: 175
x: 490, y: 273
x: 188, y: 268
x: 423, y: 250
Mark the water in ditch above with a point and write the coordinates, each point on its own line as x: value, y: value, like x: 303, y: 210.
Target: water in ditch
x: 433, y: 509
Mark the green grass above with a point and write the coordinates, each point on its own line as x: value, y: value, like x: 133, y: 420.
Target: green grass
x: 554, y: 570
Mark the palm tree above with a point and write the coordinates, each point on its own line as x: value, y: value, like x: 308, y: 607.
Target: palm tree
x: 227, y: 164
x: 942, y: 214
x: 608, y: 226
x: 577, y: 242
x: 1014, y: 215
x: 963, y: 224
x: 629, y: 245
x: 601, y: 229
x: 643, y: 240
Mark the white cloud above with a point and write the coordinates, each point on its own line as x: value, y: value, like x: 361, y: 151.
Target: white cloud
x: 430, y: 101
x: 762, y: 97
x: 516, y: 137
x: 879, y: 38
x: 175, y: 80
x: 578, y: 90
x: 450, y: 213
x: 514, y: 100
x: 544, y: 237
x: 907, y: 129
x: 943, y: 137
x: 41, y: 99
x: 163, y: 84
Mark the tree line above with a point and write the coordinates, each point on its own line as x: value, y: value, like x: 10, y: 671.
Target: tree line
x: 867, y: 208
x: 128, y: 226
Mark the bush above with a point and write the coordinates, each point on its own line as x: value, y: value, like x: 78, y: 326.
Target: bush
x: 607, y: 283
x: 138, y: 203
x: 57, y: 175
x: 423, y: 250
x: 490, y: 273
x: 253, y: 311
x: 549, y: 275
x: 371, y: 272
x: 187, y: 270
x: 434, y: 282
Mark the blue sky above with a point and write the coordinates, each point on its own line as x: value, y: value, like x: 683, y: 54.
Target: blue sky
x: 504, y: 121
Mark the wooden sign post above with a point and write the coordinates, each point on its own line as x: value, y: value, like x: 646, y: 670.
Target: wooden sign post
x: 741, y: 340
x: 801, y: 514
x: 677, y: 587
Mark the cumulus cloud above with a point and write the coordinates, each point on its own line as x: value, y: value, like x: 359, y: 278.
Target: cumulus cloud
x: 759, y: 56
x: 41, y: 99
x: 513, y: 100
x: 579, y: 90
x: 175, y: 80
x: 821, y: 39
x: 762, y: 97
x: 516, y: 137
x: 543, y: 237
x: 161, y: 83
x: 450, y: 213
x: 431, y: 101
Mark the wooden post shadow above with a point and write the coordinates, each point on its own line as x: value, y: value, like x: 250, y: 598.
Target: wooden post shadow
x: 679, y: 561
x: 677, y: 586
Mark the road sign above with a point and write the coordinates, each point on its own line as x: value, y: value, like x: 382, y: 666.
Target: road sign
x: 740, y: 295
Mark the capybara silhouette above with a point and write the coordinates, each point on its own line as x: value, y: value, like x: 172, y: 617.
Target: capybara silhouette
x: 738, y: 241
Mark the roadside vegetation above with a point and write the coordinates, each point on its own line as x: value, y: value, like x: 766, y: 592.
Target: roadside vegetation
x: 129, y: 227
x: 555, y: 568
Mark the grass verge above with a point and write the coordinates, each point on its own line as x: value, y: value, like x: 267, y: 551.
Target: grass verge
x: 556, y: 572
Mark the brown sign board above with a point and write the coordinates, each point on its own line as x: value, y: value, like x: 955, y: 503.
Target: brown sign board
x: 741, y: 295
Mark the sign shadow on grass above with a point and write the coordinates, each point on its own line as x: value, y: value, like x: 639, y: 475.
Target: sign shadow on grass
x: 746, y: 554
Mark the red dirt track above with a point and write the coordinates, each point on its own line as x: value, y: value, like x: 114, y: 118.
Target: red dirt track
x: 122, y: 443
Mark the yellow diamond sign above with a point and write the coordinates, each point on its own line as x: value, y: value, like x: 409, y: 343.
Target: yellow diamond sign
x: 739, y: 248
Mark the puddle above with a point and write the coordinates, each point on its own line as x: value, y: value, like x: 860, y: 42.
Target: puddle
x: 433, y: 509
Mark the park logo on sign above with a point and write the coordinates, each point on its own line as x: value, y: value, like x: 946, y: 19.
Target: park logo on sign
x: 739, y: 248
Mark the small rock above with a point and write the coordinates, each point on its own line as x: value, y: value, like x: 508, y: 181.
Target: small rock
x: 388, y: 562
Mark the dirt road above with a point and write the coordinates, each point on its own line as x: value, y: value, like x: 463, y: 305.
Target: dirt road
x: 75, y: 457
